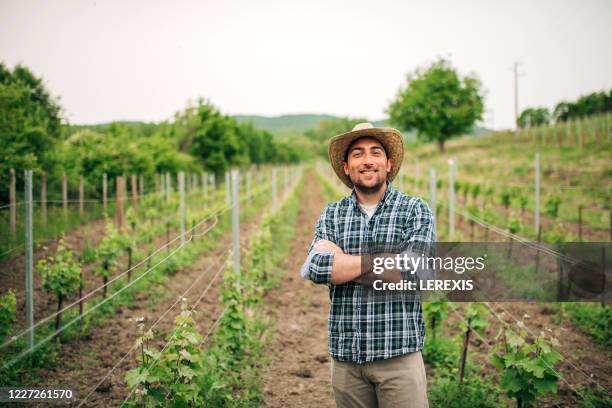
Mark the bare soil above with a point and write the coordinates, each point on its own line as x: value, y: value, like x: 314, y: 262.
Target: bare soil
x: 299, y: 373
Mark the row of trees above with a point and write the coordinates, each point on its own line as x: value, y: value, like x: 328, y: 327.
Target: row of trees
x: 35, y: 136
x: 596, y: 103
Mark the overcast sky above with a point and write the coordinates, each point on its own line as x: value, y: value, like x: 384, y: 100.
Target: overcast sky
x: 143, y: 60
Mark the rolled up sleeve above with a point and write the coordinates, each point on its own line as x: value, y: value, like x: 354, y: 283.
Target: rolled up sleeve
x: 320, y: 267
x: 420, y: 239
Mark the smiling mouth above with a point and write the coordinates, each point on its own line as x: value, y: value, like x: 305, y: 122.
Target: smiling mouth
x: 368, y: 171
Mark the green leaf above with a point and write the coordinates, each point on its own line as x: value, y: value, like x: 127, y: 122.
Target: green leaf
x: 544, y: 386
x: 536, y: 367
x: 136, y: 376
x: 510, y: 382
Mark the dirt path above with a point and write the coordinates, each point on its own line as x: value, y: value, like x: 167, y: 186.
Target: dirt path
x: 299, y: 371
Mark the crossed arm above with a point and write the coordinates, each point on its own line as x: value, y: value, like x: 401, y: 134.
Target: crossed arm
x: 347, y: 268
x: 329, y: 264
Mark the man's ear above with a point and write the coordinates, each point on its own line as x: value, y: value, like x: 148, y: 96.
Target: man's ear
x: 389, y: 165
x: 345, y: 168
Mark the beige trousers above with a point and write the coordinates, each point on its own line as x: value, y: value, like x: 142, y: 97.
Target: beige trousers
x: 395, y: 382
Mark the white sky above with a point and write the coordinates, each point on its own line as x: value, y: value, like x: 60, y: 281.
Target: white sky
x: 143, y: 60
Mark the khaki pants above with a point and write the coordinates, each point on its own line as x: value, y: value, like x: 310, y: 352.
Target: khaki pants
x: 395, y: 382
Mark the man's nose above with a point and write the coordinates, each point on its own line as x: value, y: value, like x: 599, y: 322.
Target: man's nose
x: 368, y: 160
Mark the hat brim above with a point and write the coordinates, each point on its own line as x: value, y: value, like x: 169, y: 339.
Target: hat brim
x: 390, y: 138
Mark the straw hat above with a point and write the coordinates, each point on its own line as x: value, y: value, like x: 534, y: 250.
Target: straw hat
x: 390, y: 138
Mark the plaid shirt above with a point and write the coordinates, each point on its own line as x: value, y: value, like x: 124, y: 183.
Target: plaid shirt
x: 362, y: 327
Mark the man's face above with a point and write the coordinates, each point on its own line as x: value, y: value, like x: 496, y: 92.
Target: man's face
x: 367, y: 165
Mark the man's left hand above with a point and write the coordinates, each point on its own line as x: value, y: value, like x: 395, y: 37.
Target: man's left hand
x: 327, y: 246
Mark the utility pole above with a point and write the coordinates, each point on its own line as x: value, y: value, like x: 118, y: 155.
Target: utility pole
x: 515, y: 69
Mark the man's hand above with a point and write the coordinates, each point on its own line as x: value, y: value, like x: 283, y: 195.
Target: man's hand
x: 327, y: 246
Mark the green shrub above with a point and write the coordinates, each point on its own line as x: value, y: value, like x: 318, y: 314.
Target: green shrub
x: 527, y: 368
x: 593, y: 319
x: 8, y: 307
x: 473, y: 393
x: 597, y: 398
x: 61, y: 275
x: 442, y: 353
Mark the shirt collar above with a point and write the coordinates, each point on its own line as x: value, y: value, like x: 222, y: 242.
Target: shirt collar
x: 389, y: 192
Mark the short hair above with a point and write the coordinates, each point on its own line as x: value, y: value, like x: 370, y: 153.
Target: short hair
x: 348, y: 149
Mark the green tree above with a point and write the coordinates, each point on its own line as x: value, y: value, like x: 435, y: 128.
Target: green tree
x: 216, y: 140
x: 531, y: 117
x: 30, y: 124
x: 438, y: 103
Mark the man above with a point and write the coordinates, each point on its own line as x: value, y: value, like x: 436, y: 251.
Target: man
x: 375, y: 342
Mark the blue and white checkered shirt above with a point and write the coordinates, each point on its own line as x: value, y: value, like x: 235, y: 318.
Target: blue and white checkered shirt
x: 361, y: 327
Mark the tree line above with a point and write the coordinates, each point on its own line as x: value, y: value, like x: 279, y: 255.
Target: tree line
x: 36, y: 136
x: 596, y: 103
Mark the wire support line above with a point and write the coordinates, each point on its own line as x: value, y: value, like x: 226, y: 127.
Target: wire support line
x: 507, y: 325
x: 156, y: 359
x: 159, y: 319
x: 48, y: 318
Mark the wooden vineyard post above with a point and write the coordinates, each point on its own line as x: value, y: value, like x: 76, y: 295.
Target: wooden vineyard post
x: 120, y: 202
x: 129, y: 265
x: 65, y: 194
x: 43, y: 197
x: 13, y: 203
x: 81, y: 195
x: 464, y: 352
x: 134, y: 191
x: 104, y: 193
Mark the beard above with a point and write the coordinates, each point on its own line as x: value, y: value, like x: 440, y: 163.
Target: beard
x: 368, y: 190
